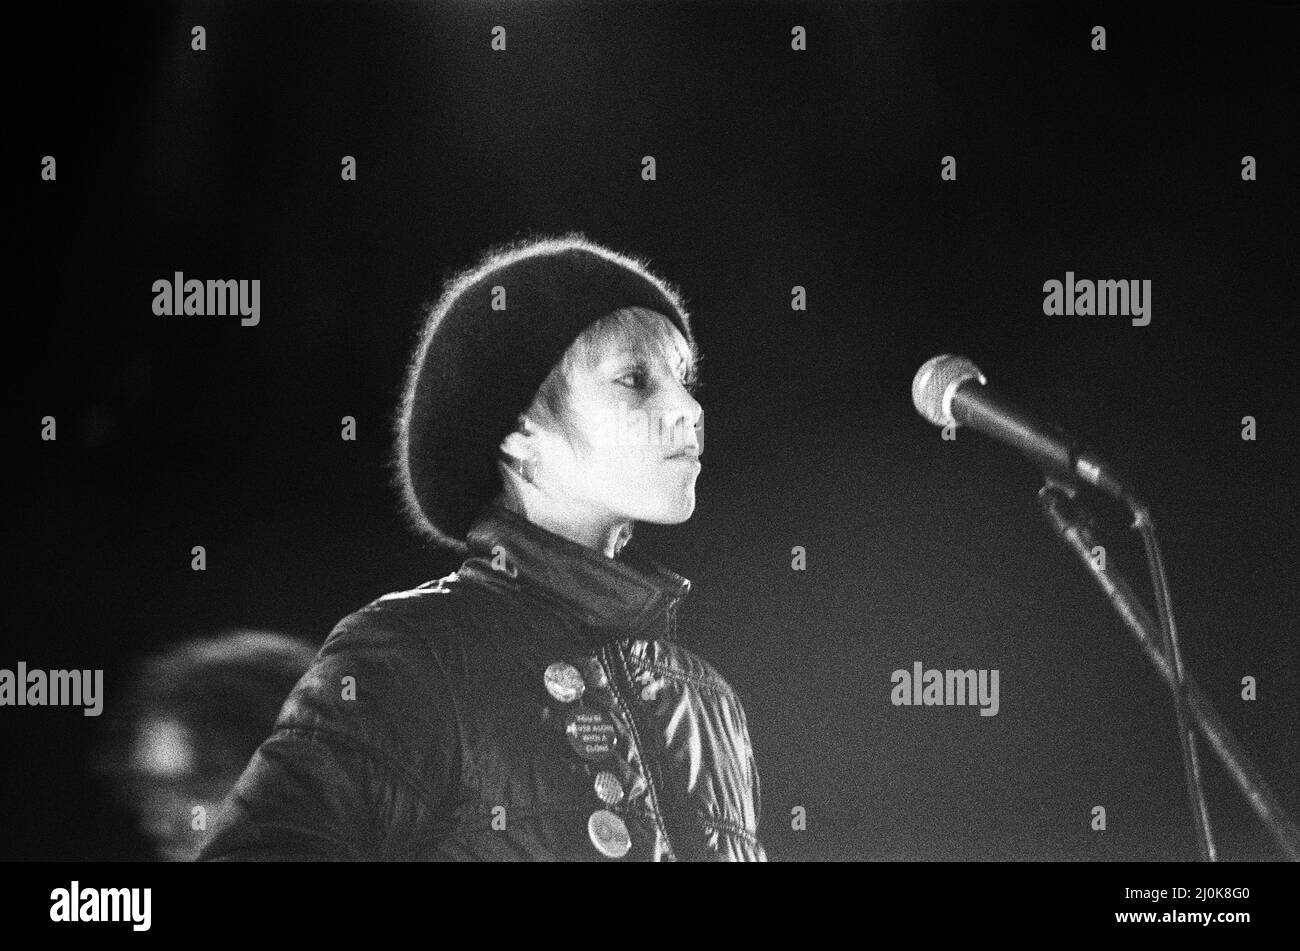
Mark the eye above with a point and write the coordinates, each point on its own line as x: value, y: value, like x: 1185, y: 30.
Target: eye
x: 638, y: 375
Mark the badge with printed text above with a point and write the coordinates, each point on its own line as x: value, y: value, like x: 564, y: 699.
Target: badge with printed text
x: 591, y: 733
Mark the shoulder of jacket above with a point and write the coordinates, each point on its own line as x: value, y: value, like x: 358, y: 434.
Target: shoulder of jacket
x: 380, y: 681
x: 683, y: 662
x: 426, y: 616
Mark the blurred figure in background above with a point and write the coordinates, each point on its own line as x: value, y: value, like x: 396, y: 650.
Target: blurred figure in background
x: 191, y: 720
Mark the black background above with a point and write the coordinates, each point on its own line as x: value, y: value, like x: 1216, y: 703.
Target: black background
x: 775, y: 168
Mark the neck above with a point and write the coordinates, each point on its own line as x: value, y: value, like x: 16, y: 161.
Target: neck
x: 600, y: 531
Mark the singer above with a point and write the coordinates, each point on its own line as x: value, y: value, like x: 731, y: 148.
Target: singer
x: 536, y: 703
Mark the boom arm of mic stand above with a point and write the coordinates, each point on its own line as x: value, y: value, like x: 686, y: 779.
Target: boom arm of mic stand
x: 1078, y: 538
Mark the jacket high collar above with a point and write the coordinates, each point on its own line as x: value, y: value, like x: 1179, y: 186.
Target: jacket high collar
x: 613, y: 595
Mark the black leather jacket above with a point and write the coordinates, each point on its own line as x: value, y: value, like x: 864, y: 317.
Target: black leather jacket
x: 441, y: 723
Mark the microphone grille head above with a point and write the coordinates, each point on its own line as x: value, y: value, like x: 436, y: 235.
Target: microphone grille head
x: 936, y: 381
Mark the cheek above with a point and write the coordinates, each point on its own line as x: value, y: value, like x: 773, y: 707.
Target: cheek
x: 643, y: 474
x: 622, y: 457
x: 616, y: 471
x: 623, y: 460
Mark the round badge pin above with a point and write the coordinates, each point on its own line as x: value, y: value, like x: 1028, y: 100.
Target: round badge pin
x: 595, y: 673
x: 608, y: 834
x: 591, y: 733
x: 564, y: 682
x: 608, y: 789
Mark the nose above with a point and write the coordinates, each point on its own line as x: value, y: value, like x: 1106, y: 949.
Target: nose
x: 685, y: 424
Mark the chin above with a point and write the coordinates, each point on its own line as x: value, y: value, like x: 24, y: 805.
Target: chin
x: 670, y: 513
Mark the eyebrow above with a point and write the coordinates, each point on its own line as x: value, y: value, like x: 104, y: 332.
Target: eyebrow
x: 626, y: 353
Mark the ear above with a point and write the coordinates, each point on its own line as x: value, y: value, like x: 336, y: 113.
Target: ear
x: 516, y: 444
x: 520, y: 442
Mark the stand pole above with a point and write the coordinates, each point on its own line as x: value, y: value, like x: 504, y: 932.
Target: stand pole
x: 1059, y: 511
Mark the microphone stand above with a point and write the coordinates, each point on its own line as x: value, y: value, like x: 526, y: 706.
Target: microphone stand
x: 1143, y: 522
x: 1073, y: 526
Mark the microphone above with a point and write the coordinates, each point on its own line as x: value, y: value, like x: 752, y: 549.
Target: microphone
x: 950, y: 390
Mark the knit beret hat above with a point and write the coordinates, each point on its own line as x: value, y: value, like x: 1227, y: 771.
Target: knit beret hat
x: 487, y: 345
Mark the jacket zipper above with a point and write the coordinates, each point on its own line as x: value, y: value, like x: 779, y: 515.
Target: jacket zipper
x: 606, y: 653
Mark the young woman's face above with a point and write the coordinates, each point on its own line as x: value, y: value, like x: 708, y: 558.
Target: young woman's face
x: 642, y: 430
